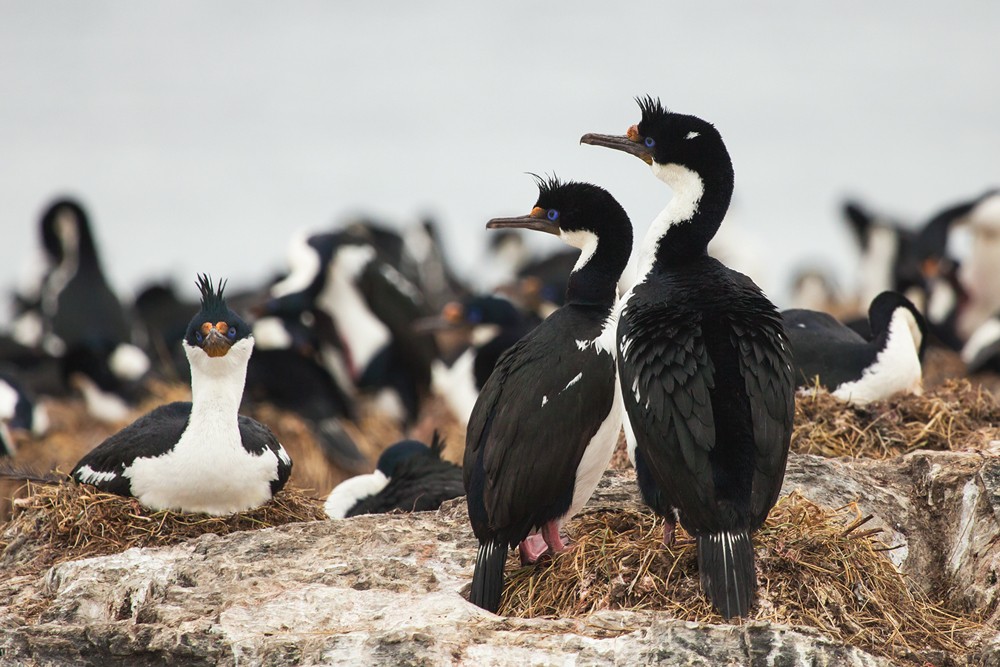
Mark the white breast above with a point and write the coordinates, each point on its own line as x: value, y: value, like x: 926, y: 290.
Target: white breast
x: 598, y: 454
x: 346, y: 494
x: 896, y: 368
x: 208, y: 471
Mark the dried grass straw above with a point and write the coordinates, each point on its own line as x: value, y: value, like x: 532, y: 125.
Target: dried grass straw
x: 816, y: 567
x: 956, y: 415
x: 56, y: 523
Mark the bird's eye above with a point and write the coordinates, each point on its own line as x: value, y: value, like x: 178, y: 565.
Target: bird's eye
x: 232, y: 332
x: 198, y: 337
x: 552, y: 215
x: 650, y: 142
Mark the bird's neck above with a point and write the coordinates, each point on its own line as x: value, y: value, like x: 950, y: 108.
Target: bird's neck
x: 217, y: 384
x: 682, y: 230
x: 594, y: 279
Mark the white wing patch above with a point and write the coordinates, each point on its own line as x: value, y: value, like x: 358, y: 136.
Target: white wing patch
x: 88, y: 475
x: 605, y: 341
x: 572, y: 382
x: 283, y: 455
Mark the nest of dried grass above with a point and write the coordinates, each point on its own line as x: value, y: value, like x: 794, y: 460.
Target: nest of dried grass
x: 957, y: 415
x: 56, y: 523
x: 816, y: 567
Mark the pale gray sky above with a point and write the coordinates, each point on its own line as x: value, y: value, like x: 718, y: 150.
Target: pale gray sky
x: 201, y: 135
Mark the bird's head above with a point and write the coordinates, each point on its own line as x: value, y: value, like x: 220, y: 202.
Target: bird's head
x: 669, y: 143
x: 578, y: 213
x: 66, y: 231
x: 403, y: 450
x: 216, y: 332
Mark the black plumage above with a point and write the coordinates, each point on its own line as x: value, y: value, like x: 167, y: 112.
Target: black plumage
x: 703, y: 361
x: 835, y: 355
x: 156, y: 433
x: 418, y: 482
x: 546, y: 421
x: 346, y: 279
x: 78, y: 318
x: 76, y: 298
x: 198, y: 456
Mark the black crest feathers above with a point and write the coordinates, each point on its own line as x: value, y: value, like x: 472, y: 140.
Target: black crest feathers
x: 437, y: 444
x: 651, y: 108
x: 211, y: 298
x: 546, y: 184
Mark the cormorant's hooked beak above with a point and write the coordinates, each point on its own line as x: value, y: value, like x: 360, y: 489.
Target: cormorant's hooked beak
x: 626, y: 143
x: 535, y: 220
x: 214, y: 340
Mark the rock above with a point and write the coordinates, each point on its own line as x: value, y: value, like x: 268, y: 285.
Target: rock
x: 388, y: 589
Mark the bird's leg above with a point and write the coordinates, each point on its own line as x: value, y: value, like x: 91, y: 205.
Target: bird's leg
x: 668, y: 532
x: 531, y: 549
x: 670, y: 536
x: 550, y: 531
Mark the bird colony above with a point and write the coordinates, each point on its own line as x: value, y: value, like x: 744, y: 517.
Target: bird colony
x: 369, y: 377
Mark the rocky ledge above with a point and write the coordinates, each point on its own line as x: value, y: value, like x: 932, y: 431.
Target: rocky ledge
x: 388, y: 589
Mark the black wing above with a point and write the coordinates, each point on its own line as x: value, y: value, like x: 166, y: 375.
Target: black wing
x: 531, y: 425
x: 256, y: 439
x: 765, y: 358
x: 151, y: 435
x: 677, y: 360
x: 419, y: 484
x: 667, y: 378
x: 823, y: 347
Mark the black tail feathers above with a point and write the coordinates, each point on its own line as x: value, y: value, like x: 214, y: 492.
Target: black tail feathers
x: 726, y: 566
x: 488, y: 579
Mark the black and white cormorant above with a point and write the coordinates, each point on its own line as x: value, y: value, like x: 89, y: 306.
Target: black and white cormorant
x: 76, y: 316
x: 547, y: 420
x: 481, y: 327
x: 19, y: 411
x: 284, y: 370
x: 201, y: 456
x: 979, y: 273
x: 890, y: 254
x: 854, y: 369
x: 703, y: 361
x: 409, y: 477
x: 982, y: 351
x: 364, y: 310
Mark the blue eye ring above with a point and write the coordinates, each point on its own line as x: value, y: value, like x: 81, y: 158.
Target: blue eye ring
x: 552, y: 214
x: 231, y: 332
x: 198, y: 337
x: 649, y: 141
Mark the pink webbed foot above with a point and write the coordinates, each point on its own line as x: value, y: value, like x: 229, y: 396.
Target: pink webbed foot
x: 531, y: 549
x: 550, y: 531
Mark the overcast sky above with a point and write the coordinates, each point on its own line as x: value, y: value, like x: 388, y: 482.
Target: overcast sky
x: 201, y: 135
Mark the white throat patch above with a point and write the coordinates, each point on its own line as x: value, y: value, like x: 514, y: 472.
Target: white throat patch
x: 303, y: 264
x: 364, y: 333
x: 271, y: 334
x: 219, y: 475
x: 585, y: 241
x: 876, y: 264
x: 688, y: 189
